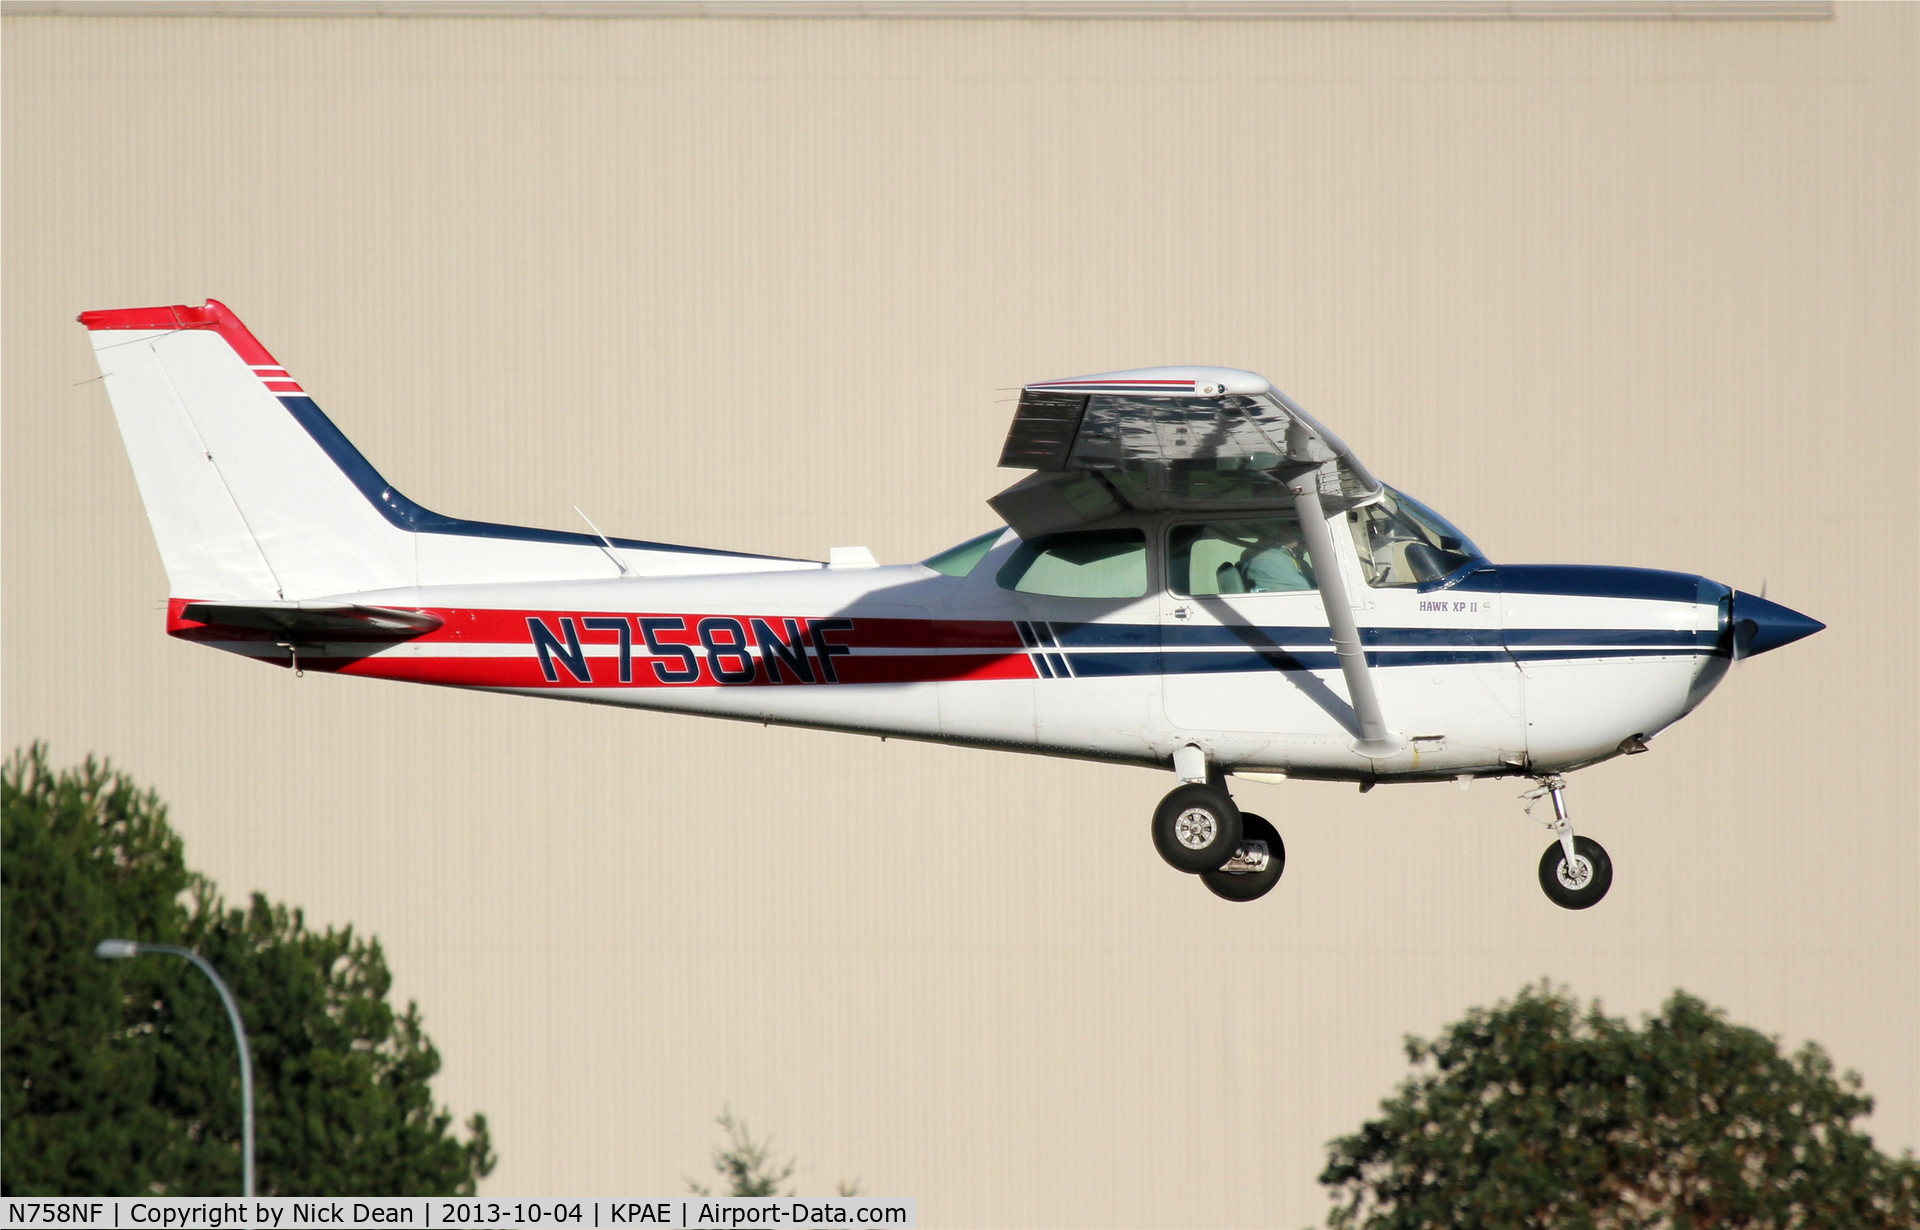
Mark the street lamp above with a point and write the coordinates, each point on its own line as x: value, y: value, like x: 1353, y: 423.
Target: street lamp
x: 117, y: 950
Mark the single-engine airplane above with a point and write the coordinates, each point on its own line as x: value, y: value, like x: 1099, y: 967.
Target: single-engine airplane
x: 1197, y: 576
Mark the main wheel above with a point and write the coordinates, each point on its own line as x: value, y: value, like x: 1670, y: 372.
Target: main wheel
x: 1196, y: 828
x: 1583, y: 884
x: 1250, y: 885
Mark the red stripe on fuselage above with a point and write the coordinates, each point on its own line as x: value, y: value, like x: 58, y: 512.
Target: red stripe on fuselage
x: 605, y: 672
x: 510, y: 627
x: 855, y: 649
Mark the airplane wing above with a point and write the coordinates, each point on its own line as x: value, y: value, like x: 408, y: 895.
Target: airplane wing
x: 1183, y: 438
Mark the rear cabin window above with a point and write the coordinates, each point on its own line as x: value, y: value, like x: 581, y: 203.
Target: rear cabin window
x: 961, y: 560
x: 1080, y: 564
x: 1261, y: 555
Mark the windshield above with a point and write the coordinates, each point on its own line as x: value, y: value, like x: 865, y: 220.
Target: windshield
x: 1402, y: 542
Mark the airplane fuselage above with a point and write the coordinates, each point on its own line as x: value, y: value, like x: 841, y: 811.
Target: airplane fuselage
x: 1493, y: 671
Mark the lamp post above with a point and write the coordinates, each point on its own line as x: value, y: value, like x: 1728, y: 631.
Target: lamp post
x: 115, y: 950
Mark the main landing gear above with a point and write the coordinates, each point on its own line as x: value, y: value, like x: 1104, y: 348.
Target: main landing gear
x: 1575, y: 872
x: 1197, y: 829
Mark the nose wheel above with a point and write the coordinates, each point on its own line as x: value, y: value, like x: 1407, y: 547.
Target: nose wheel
x: 1575, y: 872
x: 1578, y: 884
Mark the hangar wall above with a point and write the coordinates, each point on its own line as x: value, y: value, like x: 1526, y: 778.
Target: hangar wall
x: 1601, y: 291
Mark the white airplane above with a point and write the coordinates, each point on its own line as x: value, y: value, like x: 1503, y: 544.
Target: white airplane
x: 1197, y: 576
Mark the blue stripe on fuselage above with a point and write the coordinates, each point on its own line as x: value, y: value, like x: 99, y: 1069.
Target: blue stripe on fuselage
x: 1216, y: 661
x: 1585, y: 581
x: 1181, y: 636
x: 1520, y: 638
x: 1148, y: 649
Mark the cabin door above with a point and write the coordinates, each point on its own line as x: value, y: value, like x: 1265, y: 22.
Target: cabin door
x: 1244, y: 641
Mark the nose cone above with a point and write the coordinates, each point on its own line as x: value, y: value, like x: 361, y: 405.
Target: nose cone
x: 1759, y: 625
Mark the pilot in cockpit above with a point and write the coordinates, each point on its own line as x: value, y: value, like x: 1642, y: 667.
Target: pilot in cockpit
x: 1277, y: 563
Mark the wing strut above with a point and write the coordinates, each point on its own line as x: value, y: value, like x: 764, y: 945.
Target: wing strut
x: 1375, y: 739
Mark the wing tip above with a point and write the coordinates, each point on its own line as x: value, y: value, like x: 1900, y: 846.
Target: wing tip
x: 1181, y: 381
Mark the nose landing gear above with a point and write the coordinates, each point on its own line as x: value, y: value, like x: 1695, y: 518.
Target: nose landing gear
x: 1575, y: 872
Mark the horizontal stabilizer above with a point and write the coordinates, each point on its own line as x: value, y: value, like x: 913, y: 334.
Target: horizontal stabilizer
x: 315, y: 621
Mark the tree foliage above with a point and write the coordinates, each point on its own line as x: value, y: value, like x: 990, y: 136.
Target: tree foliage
x: 746, y: 1164
x: 747, y: 1167
x: 1536, y: 1113
x: 120, y: 1077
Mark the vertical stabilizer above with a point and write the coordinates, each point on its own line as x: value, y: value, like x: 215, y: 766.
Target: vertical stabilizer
x: 244, y: 501
x: 255, y: 495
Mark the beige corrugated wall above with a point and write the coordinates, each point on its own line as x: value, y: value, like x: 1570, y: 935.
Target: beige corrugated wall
x: 1620, y: 292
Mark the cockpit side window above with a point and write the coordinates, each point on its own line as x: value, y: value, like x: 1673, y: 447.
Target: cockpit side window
x: 1110, y: 563
x: 1402, y: 543
x: 1260, y: 555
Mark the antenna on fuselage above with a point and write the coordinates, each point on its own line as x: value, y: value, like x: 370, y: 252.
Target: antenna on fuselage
x: 605, y: 543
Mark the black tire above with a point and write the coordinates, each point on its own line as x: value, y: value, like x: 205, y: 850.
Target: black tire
x: 1186, y: 816
x: 1571, y: 897
x: 1250, y: 885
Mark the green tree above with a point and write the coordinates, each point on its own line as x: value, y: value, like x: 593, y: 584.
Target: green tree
x: 1539, y: 1114
x: 121, y: 1077
x: 748, y: 1167
x: 746, y: 1164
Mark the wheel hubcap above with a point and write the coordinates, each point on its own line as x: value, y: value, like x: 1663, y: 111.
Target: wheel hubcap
x: 1577, y: 875
x: 1195, y: 828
